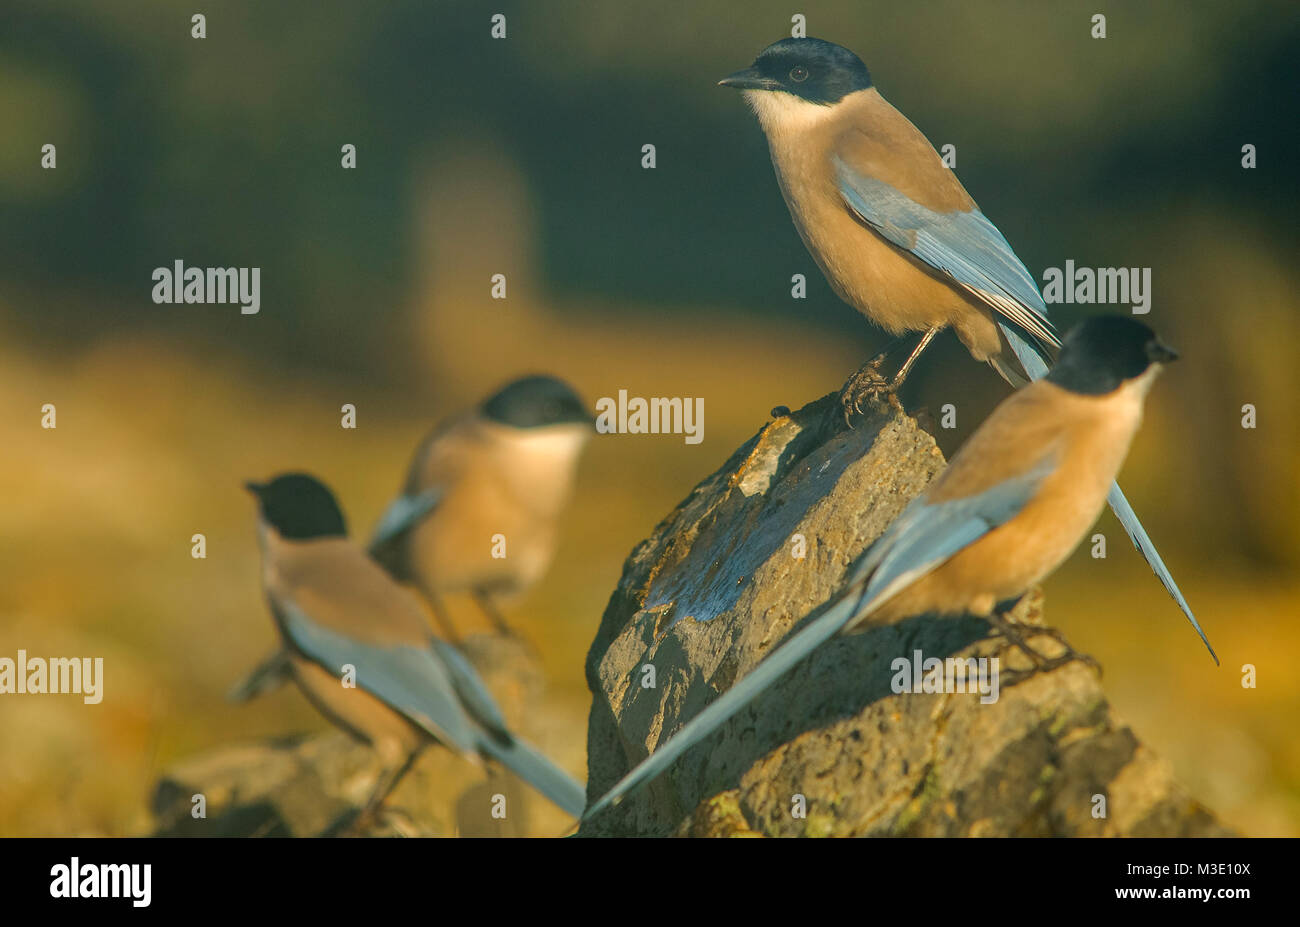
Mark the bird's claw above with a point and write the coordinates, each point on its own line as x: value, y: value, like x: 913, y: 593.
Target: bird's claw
x: 867, y: 384
x: 1012, y: 632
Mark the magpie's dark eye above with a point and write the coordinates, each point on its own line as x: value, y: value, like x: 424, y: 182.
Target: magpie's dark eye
x: 799, y: 74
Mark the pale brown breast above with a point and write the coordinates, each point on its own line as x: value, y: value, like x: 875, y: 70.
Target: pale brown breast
x: 501, y: 487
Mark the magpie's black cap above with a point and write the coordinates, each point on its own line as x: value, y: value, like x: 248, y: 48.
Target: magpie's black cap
x: 299, y: 506
x: 814, y: 69
x: 535, y: 402
x: 1099, y: 354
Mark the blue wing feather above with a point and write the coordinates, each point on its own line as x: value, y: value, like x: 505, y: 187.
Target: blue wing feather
x: 964, y: 245
x: 412, y: 680
x: 471, y: 688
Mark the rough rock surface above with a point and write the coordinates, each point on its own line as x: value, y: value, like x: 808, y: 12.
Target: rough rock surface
x: 306, y: 785
x: 718, y: 585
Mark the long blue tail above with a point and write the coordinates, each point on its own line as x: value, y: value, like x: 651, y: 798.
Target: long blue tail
x: 1138, y: 535
x: 771, y: 668
x: 1036, y: 367
x: 529, y: 764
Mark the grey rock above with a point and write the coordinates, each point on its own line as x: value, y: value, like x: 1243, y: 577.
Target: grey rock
x: 717, y: 586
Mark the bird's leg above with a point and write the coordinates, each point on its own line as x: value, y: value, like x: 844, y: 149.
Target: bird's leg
x: 388, y: 780
x: 440, y: 618
x: 899, y: 377
x: 484, y: 600
x: 879, y: 360
x: 489, y: 608
x: 271, y: 673
x: 870, y: 382
x: 1011, y: 631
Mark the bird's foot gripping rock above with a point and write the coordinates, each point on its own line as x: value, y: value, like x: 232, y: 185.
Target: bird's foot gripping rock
x: 1019, y: 634
x: 867, y: 385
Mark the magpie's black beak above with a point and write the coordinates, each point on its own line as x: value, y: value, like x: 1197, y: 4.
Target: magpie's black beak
x: 749, y: 79
x: 1160, y: 353
x: 255, y: 488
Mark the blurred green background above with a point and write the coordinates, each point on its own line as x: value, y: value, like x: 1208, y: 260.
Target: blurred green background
x: 522, y: 156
